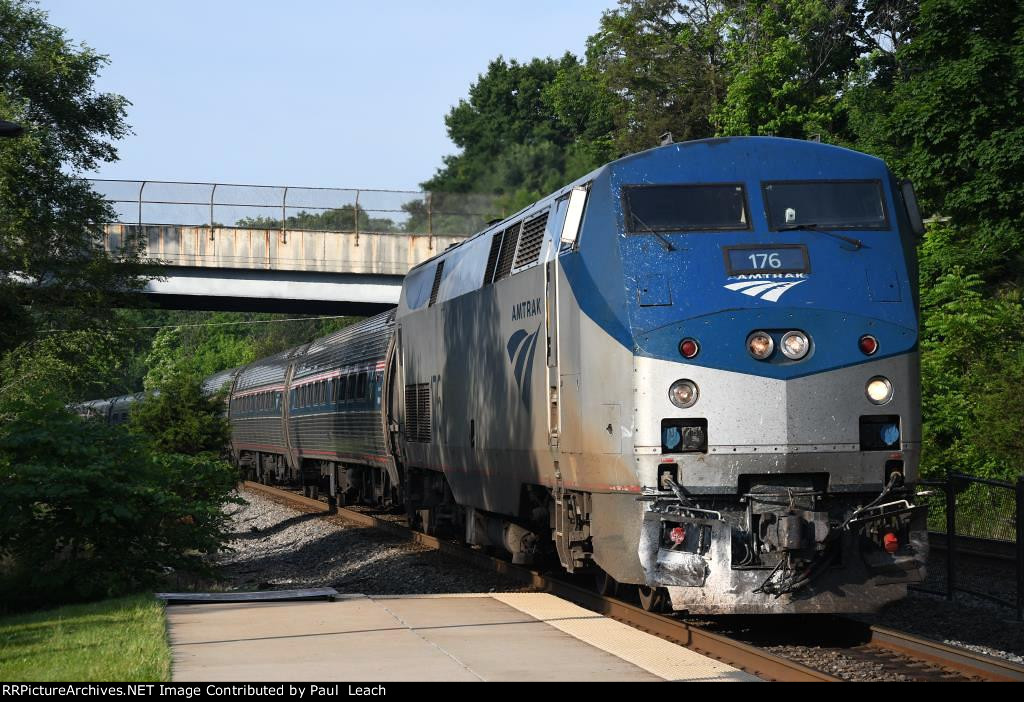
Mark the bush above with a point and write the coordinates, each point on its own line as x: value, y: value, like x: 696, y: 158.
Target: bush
x: 88, y: 510
x: 179, y: 418
x: 972, y: 370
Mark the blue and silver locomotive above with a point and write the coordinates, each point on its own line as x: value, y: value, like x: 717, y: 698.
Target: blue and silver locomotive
x: 694, y: 371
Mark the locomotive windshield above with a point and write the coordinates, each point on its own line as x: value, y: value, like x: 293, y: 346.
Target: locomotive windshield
x: 847, y: 204
x: 664, y: 208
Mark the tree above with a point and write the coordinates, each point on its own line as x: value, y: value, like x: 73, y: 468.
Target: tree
x: 89, y: 510
x: 585, y: 106
x: 180, y: 418
x: 971, y: 369
x: 199, y: 344
x: 659, y: 64
x: 788, y: 61
x: 53, y: 271
x: 937, y: 96
x: 510, y: 138
x: 949, y: 119
x: 339, y: 219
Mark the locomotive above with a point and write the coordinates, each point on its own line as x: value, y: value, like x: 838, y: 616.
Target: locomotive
x: 692, y: 372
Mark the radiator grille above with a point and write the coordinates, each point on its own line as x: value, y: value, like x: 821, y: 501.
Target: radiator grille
x: 417, y: 412
x: 437, y: 282
x: 492, y: 258
x: 533, y: 237
x: 508, y: 251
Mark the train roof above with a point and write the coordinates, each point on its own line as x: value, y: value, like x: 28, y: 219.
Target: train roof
x: 214, y: 383
x: 361, y: 342
x: 729, y: 143
x: 267, y: 371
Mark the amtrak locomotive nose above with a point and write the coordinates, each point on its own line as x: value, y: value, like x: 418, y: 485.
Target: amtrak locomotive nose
x: 800, y: 431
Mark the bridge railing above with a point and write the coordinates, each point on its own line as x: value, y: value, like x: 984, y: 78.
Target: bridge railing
x: 288, y: 208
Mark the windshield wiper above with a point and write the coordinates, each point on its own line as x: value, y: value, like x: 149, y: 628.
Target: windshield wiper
x: 661, y: 237
x: 811, y: 227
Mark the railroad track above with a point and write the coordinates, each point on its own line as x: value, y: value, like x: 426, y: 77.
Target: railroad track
x: 911, y: 656
x: 989, y: 549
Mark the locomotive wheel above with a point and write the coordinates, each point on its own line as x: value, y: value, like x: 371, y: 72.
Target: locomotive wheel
x: 605, y: 584
x: 652, y: 599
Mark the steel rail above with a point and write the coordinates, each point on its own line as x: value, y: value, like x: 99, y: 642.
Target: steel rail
x: 740, y: 655
x: 992, y: 549
x: 961, y: 660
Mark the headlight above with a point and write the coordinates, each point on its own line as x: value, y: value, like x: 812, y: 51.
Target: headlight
x: 879, y: 390
x: 795, y: 345
x: 760, y: 345
x: 683, y: 393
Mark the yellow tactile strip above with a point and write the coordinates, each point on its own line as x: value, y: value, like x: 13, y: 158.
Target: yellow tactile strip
x: 657, y: 656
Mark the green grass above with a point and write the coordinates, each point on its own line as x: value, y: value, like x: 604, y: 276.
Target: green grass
x: 113, y: 640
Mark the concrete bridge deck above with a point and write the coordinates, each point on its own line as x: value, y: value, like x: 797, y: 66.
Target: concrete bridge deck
x: 233, y: 268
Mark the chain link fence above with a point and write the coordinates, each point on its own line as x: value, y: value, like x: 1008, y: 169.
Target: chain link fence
x: 977, y: 517
x: 290, y: 208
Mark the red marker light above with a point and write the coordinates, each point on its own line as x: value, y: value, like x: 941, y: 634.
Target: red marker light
x: 868, y: 345
x: 891, y: 542
x: 689, y: 348
x: 677, y: 535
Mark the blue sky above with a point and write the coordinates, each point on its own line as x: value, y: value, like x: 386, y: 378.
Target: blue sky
x: 315, y: 93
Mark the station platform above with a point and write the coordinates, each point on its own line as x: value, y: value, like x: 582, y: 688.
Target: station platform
x: 476, y: 637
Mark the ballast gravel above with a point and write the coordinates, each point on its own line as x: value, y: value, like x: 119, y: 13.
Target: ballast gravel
x: 275, y: 547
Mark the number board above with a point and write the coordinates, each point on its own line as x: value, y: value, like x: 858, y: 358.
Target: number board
x: 783, y: 258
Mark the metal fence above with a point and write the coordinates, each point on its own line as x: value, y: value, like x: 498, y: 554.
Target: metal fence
x: 293, y: 208
x: 979, y: 517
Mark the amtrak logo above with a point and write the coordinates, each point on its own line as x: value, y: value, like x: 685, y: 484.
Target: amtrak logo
x: 770, y: 290
x: 521, y: 349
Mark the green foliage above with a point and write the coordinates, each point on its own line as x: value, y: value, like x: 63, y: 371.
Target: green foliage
x: 527, y: 129
x: 67, y: 365
x: 787, y: 61
x: 941, y: 106
x: 971, y: 370
x: 203, y: 343
x: 658, y: 66
x: 950, y: 121
x: 512, y: 142
x: 50, y: 218
x: 88, y: 510
x: 178, y: 418
x: 198, y: 351
x: 340, y: 219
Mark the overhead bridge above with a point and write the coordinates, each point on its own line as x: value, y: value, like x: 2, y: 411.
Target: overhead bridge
x: 284, y: 249
x: 216, y: 268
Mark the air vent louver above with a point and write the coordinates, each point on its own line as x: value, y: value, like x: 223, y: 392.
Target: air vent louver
x: 437, y: 282
x: 530, y: 243
x: 508, y: 251
x: 492, y: 258
x: 417, y: 412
